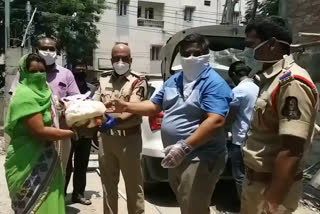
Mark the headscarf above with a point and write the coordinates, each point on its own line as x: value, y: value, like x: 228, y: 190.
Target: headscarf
x: 32, y: 95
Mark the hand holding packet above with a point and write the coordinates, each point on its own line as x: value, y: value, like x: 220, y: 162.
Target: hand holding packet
x: 109, y: 123
x: 80, y: 111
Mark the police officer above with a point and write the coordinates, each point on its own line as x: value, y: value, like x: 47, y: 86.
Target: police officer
x: 120, y: 146
x: 282, y: 125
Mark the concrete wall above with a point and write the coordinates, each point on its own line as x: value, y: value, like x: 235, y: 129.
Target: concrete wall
x: 304, y: 16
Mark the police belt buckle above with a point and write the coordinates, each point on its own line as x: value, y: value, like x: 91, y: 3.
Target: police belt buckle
x: 118, y: 133
x: 125, y: 132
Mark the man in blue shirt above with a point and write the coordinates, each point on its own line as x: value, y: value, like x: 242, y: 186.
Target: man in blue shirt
x: 241, y: 108
x: 195, y: 103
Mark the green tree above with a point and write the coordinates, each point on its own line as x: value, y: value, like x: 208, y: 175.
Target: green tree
x: 269, y: 8
x: 262, y: 8
x: 72, y: 22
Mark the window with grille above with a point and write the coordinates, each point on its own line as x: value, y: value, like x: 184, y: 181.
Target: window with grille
x: 155, y: 52
x: 207, y: 3
x: 188, y: 12
x: 149, y: 13
x: 123, y: 7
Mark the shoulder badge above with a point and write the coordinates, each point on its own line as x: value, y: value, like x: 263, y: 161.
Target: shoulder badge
x: 285, y: 78
x: 291, y: 109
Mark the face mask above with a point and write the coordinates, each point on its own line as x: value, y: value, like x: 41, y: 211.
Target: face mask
x: 193, y: 66
x: 251, y: 62
x: 49, y: 56
x: 261, y: 45
x: 121, y: 67
x: 37, y: 81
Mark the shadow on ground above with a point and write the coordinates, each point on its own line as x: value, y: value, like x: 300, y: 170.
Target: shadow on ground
x: 72, y: 210
x: 225, y: 196
x: 154, y: 192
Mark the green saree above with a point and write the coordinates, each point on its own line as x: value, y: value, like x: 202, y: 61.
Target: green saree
x: 33, y: 170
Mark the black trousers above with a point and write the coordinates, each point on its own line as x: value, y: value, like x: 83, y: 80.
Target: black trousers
x: 81, y: 151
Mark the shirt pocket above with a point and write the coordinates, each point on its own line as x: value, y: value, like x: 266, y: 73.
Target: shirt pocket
x: 62, y: 89
x: 170, y: 98
x: 125, y: 94
x: 106, y: 96
x: 259, y: 111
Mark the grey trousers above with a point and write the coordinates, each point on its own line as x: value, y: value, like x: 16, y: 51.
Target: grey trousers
x: 193, y: 184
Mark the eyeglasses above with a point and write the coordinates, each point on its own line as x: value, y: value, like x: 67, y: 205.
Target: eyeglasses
x: 122, y: 58
x: 52, y: 49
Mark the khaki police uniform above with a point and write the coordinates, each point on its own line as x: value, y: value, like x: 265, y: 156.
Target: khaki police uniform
x: 120, y: 148
x: 287, y: 105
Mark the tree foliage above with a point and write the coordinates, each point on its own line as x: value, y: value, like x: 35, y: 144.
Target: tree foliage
x: 269, y: 8
x: 264, y: 8
x: 72, y: 22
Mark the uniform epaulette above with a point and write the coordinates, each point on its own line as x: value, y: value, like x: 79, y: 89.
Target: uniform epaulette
x: 106, y: 73
x: 285, y: 78
x: 138, y: 75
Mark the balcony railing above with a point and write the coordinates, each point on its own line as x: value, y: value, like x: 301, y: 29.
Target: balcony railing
x: 150, y: 23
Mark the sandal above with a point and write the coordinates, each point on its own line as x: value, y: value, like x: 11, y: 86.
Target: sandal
x: 81, y: 200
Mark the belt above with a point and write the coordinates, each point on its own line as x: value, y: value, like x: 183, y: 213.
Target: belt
x: 124, y: 132
x: 265, y: 177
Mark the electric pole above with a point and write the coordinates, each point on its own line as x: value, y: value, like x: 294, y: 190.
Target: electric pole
x: 283, y: 8
x: 28, y: 9
x: 228, y: 13
x: 7, y: 24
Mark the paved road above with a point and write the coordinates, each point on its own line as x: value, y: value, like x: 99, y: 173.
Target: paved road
x: 159, y: 199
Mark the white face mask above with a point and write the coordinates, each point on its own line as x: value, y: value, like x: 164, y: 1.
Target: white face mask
x: 262, y: 44
x: 49, y: 56
x: 121, y: 67
x: 251, y: 62
x: 193, y: 66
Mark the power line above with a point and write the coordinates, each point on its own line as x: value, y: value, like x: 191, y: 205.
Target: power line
x: 200, y: 11
x: 214, y: 14
x: 131, y: 27
x: 165, y: 16
x: 203, y: 19
x: 163, y: 21
x: 110, y: 24
x: 137, y: 28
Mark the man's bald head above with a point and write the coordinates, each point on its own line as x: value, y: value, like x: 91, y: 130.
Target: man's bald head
x: 121, y: 52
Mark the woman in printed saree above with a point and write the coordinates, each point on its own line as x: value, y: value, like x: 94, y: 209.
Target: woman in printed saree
x: 33, y: 169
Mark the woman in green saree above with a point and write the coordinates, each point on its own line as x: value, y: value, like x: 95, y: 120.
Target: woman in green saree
x: 33, y: 170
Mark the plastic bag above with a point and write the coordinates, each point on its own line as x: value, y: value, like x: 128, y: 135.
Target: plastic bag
x: 81, y: 111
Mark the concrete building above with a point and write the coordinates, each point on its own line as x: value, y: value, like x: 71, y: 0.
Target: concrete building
x: 304, y: 16
x: 147, y: 25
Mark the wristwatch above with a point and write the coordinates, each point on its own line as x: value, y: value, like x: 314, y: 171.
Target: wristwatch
x: 186, y: 148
